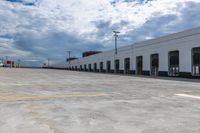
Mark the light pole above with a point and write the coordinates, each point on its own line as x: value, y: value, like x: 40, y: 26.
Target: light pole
x: 19, y: 63
x: 48, y: 61
x: 116, y: 36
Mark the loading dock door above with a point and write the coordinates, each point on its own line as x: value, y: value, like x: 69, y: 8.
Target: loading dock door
x: 154, y: 64
x: 90, y: 67
x: 117, y: 66
x: 81, y: 67
x: 139, y: 65
x: 108, y: 64
x: 85, y: 68
x: 101, y: 66
x: 196, y: 61
x: 127, y: 65
x: 95, y: 67
x: 174, y: 63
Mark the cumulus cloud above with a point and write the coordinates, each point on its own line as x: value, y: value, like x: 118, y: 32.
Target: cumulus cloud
x: 44, y: 29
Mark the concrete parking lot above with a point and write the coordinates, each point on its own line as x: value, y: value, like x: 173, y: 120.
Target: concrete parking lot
x: 58, y: 101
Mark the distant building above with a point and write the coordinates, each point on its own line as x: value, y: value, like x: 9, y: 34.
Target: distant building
x: 89, y: 53
x: 70, y: 59
x: 9, y: 63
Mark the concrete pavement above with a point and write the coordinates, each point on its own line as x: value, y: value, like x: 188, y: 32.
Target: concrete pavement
x: 57, y: 101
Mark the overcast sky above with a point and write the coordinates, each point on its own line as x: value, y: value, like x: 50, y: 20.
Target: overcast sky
x: 34, y: 30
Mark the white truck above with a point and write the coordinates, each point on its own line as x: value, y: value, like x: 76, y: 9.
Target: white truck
x: 1, y: 63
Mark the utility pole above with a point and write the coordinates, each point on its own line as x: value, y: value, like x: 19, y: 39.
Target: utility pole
x: 116, y: 36
x: 6, y: 58
x: 69, y: 53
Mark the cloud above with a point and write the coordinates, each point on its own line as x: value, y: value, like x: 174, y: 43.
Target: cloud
x: 44, y: 29
x: 160, y: 25
x: 25, y: 2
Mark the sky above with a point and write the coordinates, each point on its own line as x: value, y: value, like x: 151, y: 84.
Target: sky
x: 36, y: 30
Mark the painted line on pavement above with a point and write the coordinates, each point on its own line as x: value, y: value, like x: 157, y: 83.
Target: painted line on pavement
x: 189, y: 96
x: 29, y: 98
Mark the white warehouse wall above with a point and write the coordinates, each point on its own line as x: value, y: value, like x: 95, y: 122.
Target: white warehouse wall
x: 182, y: 41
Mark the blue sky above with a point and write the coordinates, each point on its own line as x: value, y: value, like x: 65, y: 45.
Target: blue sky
x: 34, y: 30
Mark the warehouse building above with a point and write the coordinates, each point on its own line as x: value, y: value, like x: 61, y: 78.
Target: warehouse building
x: 173, y: 55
